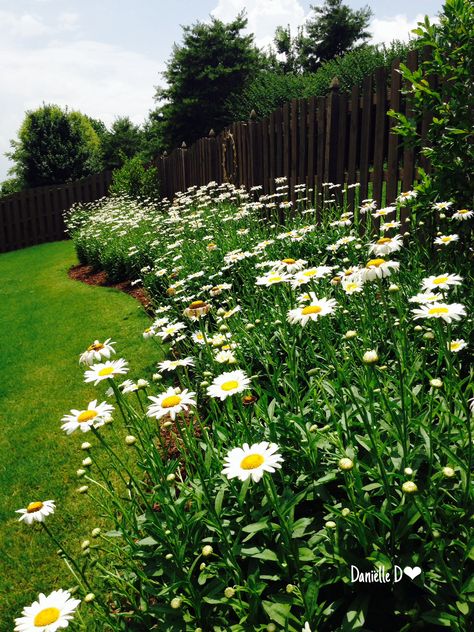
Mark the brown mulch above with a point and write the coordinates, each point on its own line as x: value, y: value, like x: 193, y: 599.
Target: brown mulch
x: 87, y: 274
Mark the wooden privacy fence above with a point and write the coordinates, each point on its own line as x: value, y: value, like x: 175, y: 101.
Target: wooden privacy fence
x: 35, y: 216
x: 339, y: 138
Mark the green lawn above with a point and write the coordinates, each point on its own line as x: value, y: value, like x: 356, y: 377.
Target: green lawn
x: 46, y: 320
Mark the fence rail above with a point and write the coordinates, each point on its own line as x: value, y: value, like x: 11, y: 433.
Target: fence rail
x: 341, y: 138
x: 35, y: 216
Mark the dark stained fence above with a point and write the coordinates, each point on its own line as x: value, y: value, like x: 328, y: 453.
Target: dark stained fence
x: 340, y: 138
x: 35, y: 216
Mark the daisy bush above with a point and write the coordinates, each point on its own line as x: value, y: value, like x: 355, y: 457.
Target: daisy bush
x: 313, y: 415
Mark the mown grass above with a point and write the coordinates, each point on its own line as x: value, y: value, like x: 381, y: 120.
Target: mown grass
x: 46, y: 321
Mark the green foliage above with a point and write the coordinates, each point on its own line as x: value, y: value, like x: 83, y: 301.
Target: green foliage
x: 333, y: 29
x: 270, y: 90
x: 135, y: 180
x: 9, y: 186
x: 55, y: 146
x: 123, y: 141
x: 443, y: 86
x: 214, y: 61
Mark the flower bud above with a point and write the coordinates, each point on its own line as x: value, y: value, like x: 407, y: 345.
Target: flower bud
x: 393, y: 288
x: 436, y: 382
x: 202, y: 566
x: 370, y: 357
x: 429, y: 335
x: 80, y: 472
x: 448, y: 472
x: 345, y: 511
x: 418, y: 328
x: 83, y: 490
x: 330, y: 524
x: 409, y: 487
x: 345, y: 464
x: 229, y: 592
x: 207, y: 550
x: 89, y: 597
x: 157, y: 377
x: 204, y: 383
x: 176, y: 603
x: 170, y: 478
x: 86, y: 544
x: 86, y: 446
x: 169, y: 556
x: 87, y: 462
x: 130, y: 440
x: 167, y: 424
x: 141, y: 384
x: 271, y: 627
x: 249, y: 326
x: 313, y: 428
x: 408, y: 471
x: 95, y: 532
x: 223, y: 328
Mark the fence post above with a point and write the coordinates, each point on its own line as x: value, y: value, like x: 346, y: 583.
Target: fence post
x: 332, y: 134
x: 213, y: 167
x: 253, y: 159
x: 183, y: 165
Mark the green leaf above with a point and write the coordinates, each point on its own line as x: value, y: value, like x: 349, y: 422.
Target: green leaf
x: 305, y: 554
x: 149, y: 541
x: 355, y: 616
x: 463, y: 607
x: 260, y: 554
x: 278, y: 612
x: 255, y: 526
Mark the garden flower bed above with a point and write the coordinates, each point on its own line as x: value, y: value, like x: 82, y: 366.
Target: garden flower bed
x: 317, y: 392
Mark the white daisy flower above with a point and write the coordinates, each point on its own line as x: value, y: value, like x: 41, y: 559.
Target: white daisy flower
x: 149, y: 333
x: 170, y: 403
x: 198, y: 337
x: 383, y: 212
x: 36, y: 511
x: 386, y: 245
x: 407, y: 196
x: 444, y: 240
x: 462, y: 214
x: 103, y: 371
x: 368, y: 205
x: 441, y: 282
x: 169, y: 331
x: 447, y: 312
x: 252, y: 461
x: 389, y: 225
x: 196, y: 310
x: 96, y: 351
x: 171, y: 365
x: 218, y: 289
x: 442, y: 206
x: 273, y: 277
x: 228, y: 384
x: 378, y: 269
x: 225, y: 356
x: 290, y: 265
x: 457, y: 345
x: 352, y: 284
x: 94, y: 416
x: 306, y: 627
x: 313, y: 311
x: 48, y: 614
x: 310, y: 274
x: 427, y: 297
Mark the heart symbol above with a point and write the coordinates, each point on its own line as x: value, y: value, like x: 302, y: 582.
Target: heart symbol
x: 412, y: 572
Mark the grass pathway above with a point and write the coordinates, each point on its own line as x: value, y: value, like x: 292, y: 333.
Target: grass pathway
x: 46, y: 320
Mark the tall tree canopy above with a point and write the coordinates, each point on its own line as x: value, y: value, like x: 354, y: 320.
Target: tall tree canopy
x: 54, y: 146
x: 333, y: 29
x: 214, y: 60
x: 123, y: 141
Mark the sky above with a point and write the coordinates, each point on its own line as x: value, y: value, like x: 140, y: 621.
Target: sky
x: 104, y: 57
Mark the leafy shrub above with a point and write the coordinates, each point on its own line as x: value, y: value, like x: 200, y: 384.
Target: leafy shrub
x: 270, y: 90
x: 443, y: 86
x: 135, y: 180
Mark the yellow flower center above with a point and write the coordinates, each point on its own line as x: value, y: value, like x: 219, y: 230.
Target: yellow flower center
x: 33, y: 507
x: 290, y: 261
x: 107, y: 370
x: 445, y: 239
x: 172, y: 400
x: 87, y: 415
x: 440, y: 280
x: 463, y: 211
x: 455, y: 346
x: 384, y: 240
x: 230, y: 385
x: 274, y: 279
x: 438, y: 310
x: 46, y: 617
x: 311, y: 309
x: 97, y: 346
x: 252, y: 461
x: 309, y: 273
x: 197, y: 304
x: 375, y: 263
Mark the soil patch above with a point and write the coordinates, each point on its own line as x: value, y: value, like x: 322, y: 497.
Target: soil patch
x: 87, y: 274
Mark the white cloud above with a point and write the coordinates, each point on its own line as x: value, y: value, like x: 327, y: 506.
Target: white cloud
x: 101, y: 80
x: 263, y: 16
x: 398, y: 27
